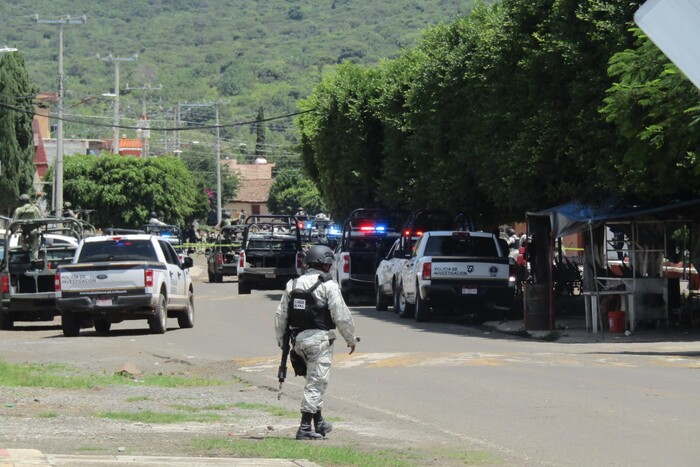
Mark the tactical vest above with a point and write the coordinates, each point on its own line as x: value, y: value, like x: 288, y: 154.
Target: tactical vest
x: 304, y: 312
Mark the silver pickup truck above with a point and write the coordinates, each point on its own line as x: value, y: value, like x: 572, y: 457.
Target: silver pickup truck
x: 117, y: 278
x: 460, y: 272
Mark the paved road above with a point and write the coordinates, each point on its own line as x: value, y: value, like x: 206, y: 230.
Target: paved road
x: 448, y: 384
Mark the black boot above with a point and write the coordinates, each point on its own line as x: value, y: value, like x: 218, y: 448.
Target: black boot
x: 322, y: 426
x: 305, y: 431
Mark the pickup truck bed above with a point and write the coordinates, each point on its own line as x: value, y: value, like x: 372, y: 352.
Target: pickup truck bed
x: 466, y: 273
x: 117, y: 278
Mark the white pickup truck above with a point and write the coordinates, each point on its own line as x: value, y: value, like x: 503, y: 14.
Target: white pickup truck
x: 117, y: 278
x: 467, y: 273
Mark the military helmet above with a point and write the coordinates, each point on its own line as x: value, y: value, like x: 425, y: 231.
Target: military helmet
x: 67, y: 205
x: 153, y: 214
x: 319, y: 254
x: 24, y: 197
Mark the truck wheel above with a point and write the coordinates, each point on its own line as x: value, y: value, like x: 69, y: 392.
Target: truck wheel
x: 212, y: 277
x: 158, y: 323
x: 70, y: 324
x: 185, y: 319
x: 380, y: 303
x: 404, y: 308
x: 422, y: 312
x: 102, y: 325
x: 219, y: 277
x: 243, y: 288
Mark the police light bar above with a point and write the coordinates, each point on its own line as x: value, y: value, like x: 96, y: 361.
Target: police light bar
x: 372, y: 228
x: 407, y: 233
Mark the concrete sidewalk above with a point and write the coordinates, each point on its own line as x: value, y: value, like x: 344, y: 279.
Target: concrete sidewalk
x: 34, y: 457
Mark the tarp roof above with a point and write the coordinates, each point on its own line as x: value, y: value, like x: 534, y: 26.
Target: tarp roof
x: 575, y: 216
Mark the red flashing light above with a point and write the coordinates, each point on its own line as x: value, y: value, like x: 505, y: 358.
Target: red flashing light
x: 366, y: 228
x: 406, y: 233
x: 116, y: 239
x: 419, y: 234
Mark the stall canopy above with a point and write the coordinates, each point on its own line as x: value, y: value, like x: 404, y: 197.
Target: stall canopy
x: 575, y: 216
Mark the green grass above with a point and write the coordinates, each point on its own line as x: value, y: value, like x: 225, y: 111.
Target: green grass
x: 60, y: 376
x: 325, y: 454
x: 47, y: 415
x: 90, y: 449
x: 147, y: 416
x: 191, y: 408
x: 137, y: 399
x: 271, y: 409
x: 284, y: 448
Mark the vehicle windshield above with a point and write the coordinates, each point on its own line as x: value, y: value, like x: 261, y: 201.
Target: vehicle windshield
x: 118, y: 250
x: 461, y: 246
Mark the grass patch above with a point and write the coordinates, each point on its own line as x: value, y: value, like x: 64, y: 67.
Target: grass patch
x: 137, y: 399
x: 90, y: 449
x: 147, y: 416
x: 271, y: 409
x: 284, y: 448
x: 59, y: 376
x: 47, y: 415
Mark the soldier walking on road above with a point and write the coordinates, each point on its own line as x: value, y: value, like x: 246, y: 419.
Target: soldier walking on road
x: 311, y: 307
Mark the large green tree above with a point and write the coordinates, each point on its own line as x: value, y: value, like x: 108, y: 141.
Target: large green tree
x: 656, y: 110
x: 124, y: 190
x: 291, y: 190
x: 16, y: 136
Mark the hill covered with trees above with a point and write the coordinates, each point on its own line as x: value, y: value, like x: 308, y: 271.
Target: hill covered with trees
x: 250, y: 55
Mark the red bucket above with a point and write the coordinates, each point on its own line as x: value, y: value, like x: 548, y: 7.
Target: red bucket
x: 616, y: 320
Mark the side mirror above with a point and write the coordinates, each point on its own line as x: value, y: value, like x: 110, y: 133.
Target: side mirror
x: 187, y: 262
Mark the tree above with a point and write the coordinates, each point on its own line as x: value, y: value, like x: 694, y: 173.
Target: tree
x: 290, y: 190
x: 200, y: 160
x: 16, y: 135
x: 124, y: 190
x: 656, y: 111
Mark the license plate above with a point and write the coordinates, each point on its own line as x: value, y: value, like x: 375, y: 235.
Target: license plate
x: 469, y: 291
x: 103, y: 302
x: 270, y: 276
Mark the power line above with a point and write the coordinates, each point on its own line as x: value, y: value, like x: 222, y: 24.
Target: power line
x: 187, y: 128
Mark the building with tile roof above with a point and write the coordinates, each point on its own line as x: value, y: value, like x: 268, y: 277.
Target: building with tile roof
x: 256, y: 180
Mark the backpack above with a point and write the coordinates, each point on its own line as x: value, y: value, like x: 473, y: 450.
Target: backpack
x: 303, y: 310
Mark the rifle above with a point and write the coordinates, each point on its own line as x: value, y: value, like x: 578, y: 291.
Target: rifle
x: 282, y: 371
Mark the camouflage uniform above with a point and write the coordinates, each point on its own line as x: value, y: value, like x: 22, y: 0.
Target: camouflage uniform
x: 314, y: 345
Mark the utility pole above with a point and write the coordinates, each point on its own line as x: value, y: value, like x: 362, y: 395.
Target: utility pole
x: 58, y: 175
x: 116, y: 60
x: 144, y: 124
x: 218, y: 151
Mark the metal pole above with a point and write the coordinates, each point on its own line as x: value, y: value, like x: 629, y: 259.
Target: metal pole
x: 218, y: 168
x: 58, y: 176
x: 115, y: 130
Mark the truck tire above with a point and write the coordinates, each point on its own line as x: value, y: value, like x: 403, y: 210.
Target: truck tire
x: 380, y: 303
x: 70, y: 324
x: 422, y: 312
x: 102, y: 325
x: 219, y: 277
x: 243, y: 288
x: 185, y: 319
x: 404, y: 308
x: 158, y: 323
x: 212, y: 277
